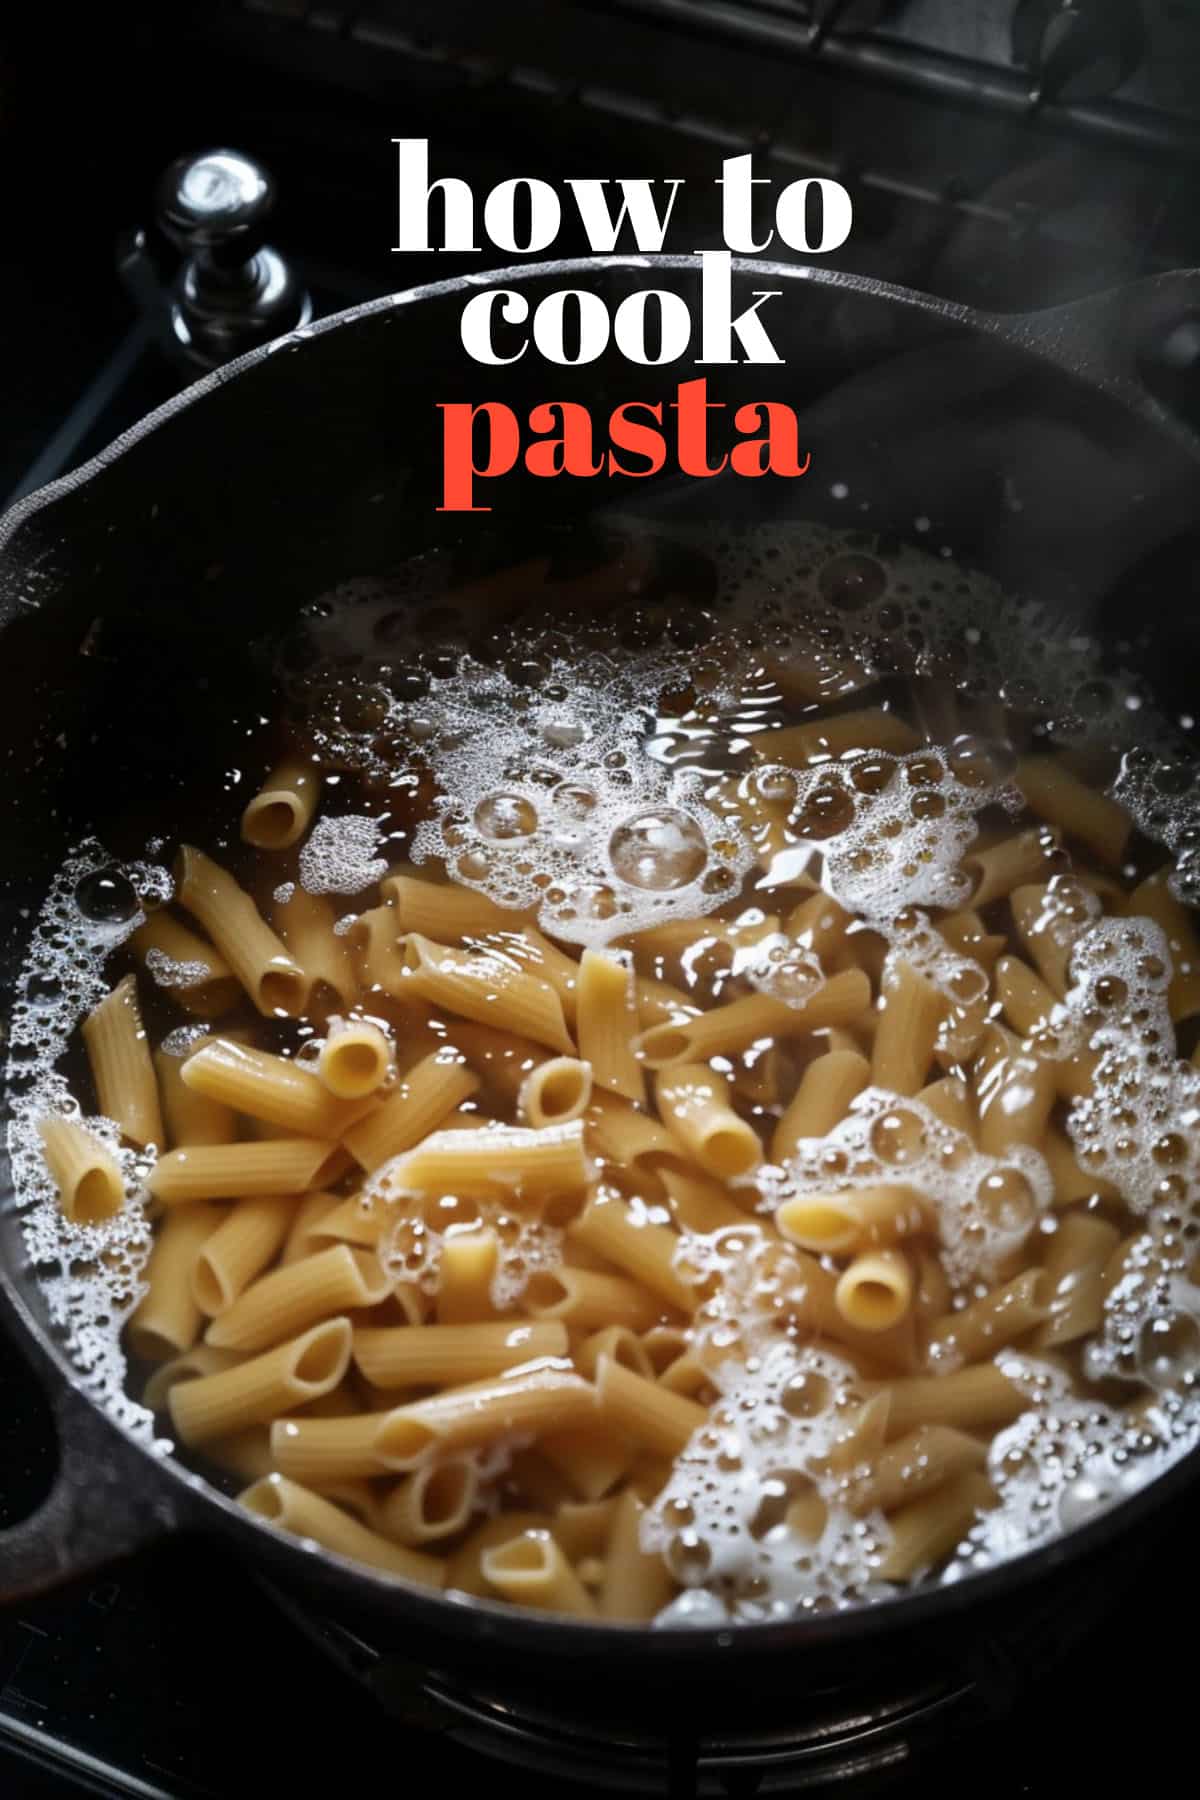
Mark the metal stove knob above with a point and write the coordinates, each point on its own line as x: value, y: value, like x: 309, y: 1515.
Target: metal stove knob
x: 1077, y: 49
x: 234, y: 291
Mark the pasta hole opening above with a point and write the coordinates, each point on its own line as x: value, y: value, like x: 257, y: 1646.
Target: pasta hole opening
x: 561, y: 1094
x: 546, y: 1292
x: 400, y: 1443
x: 265, y: 1499
x: 876, y: 1304
x: 374, y: 1285
x: 273, y: 824
x: 446, y: 1494
x: 283, y: 991
x: 210, y: 1288
x: 96, y: 1197
x: 530, y: 1554
x: 323, y: 1360
x: 356, y: 1069
x: 732, y: 1152
x: 663, y: 1045
x: 817, y: 1227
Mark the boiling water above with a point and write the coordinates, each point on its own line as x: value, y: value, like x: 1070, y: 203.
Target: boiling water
x: 598, y: 751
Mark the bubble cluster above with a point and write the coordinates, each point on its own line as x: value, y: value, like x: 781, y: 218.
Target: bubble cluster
x: 985, y: 1206
x: 341, y: 856
x: 169, y: 972
x: 1162, y: 794
x: 89, y: 1274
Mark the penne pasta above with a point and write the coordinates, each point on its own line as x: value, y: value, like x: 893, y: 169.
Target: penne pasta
x: 585, y: 1299
x: 536, y: 1400
x: 307, y: 925
x: 491, y: 989
x: 444, y: 912
x: 270, y: 975
x: 977, y: 1398
x: 421, y: 1100
x: 355, y: 1059
x: 694, y: 1105
x: 291, y: 1298
x: 1075, y: 1260
x: 1153, y: 899
x: 225, y: 1171
x: 167, y: 1320
x: 644, y: 1250
x: 374, y: 942
x: 532, y: 1163
x: 122, y: 1067
x: 926, y: 1530
x: 284, y: 807
x: 466, y: 1269
x: 607, y: 1021
x: 262, y: 1387
x: 432, y: 1503
x: 908, y: 1024
x: 88, y: 1177
x: 556, y: 1092
x: 855, y: 1219
x: 823, y: 1098
x: 307, y: 1515
x: 1056, y: 794
x: 242, y: 1245
x: 1000, y: 1318
x: 644, y: 1411
x: 531, y: 1570
x: 796, y: 746
x: 913, y: 1465
x: 412, y: 1356
x: 272, y: 1088
x: 727, y: 1029
x: 876, y: 1291
x: 1029, y: 856
x: 189, y: 1117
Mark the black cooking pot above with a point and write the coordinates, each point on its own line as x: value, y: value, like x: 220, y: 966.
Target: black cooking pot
x: 129, y: 591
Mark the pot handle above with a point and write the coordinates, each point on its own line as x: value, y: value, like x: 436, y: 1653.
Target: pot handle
x: 1140, y: 342
x: 107, y: 1499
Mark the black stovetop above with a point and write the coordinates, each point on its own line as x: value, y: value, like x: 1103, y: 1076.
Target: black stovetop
x: 176, y: 1675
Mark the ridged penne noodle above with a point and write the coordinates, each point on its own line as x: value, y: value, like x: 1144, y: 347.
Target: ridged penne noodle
x: 967, y: 932
x: 823, y: 740
x: 270, y: 975
x: 531, y: 1570
x: 466, y: 1269
x: 908, y: 1024
x: 1071, y: 1181
x: 167, y: 1321
x: 246, y: 1455
x: 302, y: 1238
x: 85, y: 1172
x: 1046, y: 932
x: 537, y: 1401
x: 410, y: 1356
x: 122, y: 1067
x: 697, y: 1202
x: 225, y: 1171
x: 501, y: 1060
x: 1000, y: 1318
x: 246, y: 1240
x: 1029, y: 1006
x: 876, y: 1291
x: 307, y: 923
x: 533, y: 954
x: 845, y: 1222
x: 284, y: 807
x: 200, y: 1360
x: 463, y: 1572
x: 378, y: 952
x: 931, y: 1294
x: 533, y: 1163
x: 421, y: 1100
x: 319, y: 1449
x: 618, y: 1133
x: 644, y: 1411
x: 949, y: 1099
x: 694, y: 1104
x: 431, y: 1504
x: 658, y: 1003
x: 606, y: 1023
x: 1074, y: 1262
x: 583, y: 1527
x: 308, y: 1515
x: 1028, y: 856
x: 926, y: 1530
x: 977, y: 1398
x: 642, y: 1249
x: 291, y: 1298
x: 914, y: 1465
x: 355, y: 1059
x: 556, y: 1092
x: 621, y: 1345
x: 819, y: 924
x: 636, y: 1585
x: 272, y: 1088
x: 189, y: 1117
x: 188, y: 967
x: 1153, y: 899
x: 261, y: 1387
x: 443, y: 911
x: 489, y: 988
x: 584, y: 1299
x: 727, y: 1029
x: 1055, y: 793
x: 827, y: 1088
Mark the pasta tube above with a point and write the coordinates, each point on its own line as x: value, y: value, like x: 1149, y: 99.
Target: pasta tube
x: 556, y: 1092
x: 533, y: 1163
x: 649, y: 1414
x: 537, y: 1400
x: 1055, y: 793
x: 273, y: 1088
x: 908, y: 1024
x: 444, y: 911
x: 355, y: 1060
x: 308, y: 1515
x: 636, y: 1585
x: 607, y: 1021
x: 307, y: 925
x: 827, y: 1087
x: 642, y: 1249
x: 875, y: 1292
x: 466, y: 1270
x: 284, y: 807
x: 585, y: 1299
x: 297, y: 1295
x: 926, y: 1530
x: 913, y: 1465
x: 88, y: 1177
x: 836, y: 1223
x: 1075, y: 1260
x: 267, y: 971
x: 262, y: 1387
x: 422, y: 1098
x: 823, y: 739
x: 406, y: 1356
x: 1153, y: 899
x: 978, y: 1398
x: 491, y: 989
x: 693, y: 1103
x: 998, y: 1319
x: 225, y: 1171
x: 243, y: 1244
x: 122, y: 1067
x: 1029, y: 856
x: 167, y: 1319
x: 188, y: 966
x: 190, y: 1117
x: 727, y: 1029
x: 531, y: 1570
x: 432, y: 1503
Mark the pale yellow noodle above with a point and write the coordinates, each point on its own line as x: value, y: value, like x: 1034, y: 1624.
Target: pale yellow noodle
x: 642, y: 1249
x: 607, y: 1021
x: 355, y: 1059
x: 556, y: 1092
x: 727, y: 1029
x: 825, y: 739
x: 122, y: 1067
x: 87, y: 1175
x: 1075, y: 1259
x: 261, y: 1387
x: 444, y: 911
x: 998, y: 1319
x: 592, y: 1458
x: 876, y: 1291
x: 838, y: 1223
x: 979, y: 1398
x: 203, y: 982
x: 284, y: 807
x: 422, y: 1098
x: 827, y: 1087
x: 301, y: 1239
x: 531, y: 1570
x: 261, y: 962
x: 190, y: 1117
x: 275, y: 1089
x: 247, y: 1239
x: 466, y: 1269
x: 1055, y: 793
x: 225, y: 1171
x: 409, y: 1356
x: 167, y: 1319
x: 431, y: 1504
x: 308, y: 1515
x: 534, y: 1163
x: 649, y: 1414
x: 290, y: 1299
x: 536, y: 1401
x: 491, y: 989
x: 926, y: 1530
x: 585, y: 1299
x: 697, y: 1202
x: 913, y: 1465
x: 1152, y: 899
x: 200, y: 1360
x: 1012, y: 863
x: 305, y: 922
x: 908, y: 1023
x: 694, y: 1104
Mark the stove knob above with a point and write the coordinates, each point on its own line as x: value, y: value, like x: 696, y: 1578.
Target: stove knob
x: 1077, y: 49
x: 233, y: 291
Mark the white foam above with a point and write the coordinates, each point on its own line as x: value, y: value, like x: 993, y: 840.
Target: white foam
x: 341, y: 856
